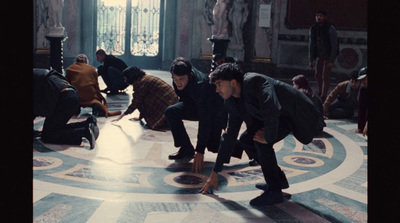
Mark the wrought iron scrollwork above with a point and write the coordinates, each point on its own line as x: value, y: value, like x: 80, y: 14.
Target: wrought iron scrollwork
x: 144, y: 27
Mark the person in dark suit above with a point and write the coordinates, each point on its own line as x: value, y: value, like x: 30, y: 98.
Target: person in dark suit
x: 111, y: 72
x: 57, y: 100
x: 271, y: 110
x: 198, y: 101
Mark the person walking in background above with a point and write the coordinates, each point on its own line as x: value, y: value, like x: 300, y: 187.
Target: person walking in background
x: 151, y: 96
x: 323, y: 47
x: 111, y: 72
x: 83, y: 77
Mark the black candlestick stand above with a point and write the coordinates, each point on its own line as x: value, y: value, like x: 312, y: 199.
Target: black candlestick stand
x: 56, y: 52
x: 219, y: 46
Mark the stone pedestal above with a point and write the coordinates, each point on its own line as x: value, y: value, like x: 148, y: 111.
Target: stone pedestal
x: 236, y: 51
x: 56, y: 52
x: 219, y: 46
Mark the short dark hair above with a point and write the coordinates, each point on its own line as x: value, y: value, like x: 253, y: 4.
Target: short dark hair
x: 132, y: 74
x: 227, y: 71
x: 321, y: 11
x: 180, y: 66
x: 101, y: 52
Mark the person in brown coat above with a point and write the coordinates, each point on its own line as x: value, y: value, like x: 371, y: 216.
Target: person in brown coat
x: 342, y: 101
x: 83, y: 77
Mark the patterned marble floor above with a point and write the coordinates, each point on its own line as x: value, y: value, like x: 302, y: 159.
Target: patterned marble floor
x: 128, y: 177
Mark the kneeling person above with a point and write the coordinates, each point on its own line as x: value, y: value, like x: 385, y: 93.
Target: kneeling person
x: 151, y: 97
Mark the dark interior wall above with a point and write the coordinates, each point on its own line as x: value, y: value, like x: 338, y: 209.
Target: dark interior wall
x: 345, y: 14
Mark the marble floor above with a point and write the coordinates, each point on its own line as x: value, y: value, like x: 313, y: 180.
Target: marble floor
x: 128, y: 177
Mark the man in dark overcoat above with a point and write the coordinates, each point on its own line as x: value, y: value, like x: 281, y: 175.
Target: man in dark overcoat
x: 271, y: 110
x: 57, y: 100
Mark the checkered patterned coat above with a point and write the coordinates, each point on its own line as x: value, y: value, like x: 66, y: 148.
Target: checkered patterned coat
x: 151, y: 97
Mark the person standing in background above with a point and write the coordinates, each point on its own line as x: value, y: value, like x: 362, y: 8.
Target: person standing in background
x: 323, y: 47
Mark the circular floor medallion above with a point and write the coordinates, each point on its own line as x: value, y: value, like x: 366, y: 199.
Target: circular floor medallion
x: 301, y: 160
x: 186, y: 180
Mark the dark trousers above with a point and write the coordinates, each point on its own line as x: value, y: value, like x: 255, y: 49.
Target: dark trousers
x: 342, y: 108
x: 264, y: 154
x: 55, y: 128
x: 175, y: 114
x: 322, y: 75
x: 113, y: 78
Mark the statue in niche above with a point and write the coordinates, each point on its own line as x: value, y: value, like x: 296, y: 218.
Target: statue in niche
x: 220, y: 18
x: 55, y: 12
x: 208, y: 9
x: 238, y: 16
x: 41, y: 24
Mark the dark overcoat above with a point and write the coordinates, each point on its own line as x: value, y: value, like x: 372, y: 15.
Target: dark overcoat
x: 270, y: 101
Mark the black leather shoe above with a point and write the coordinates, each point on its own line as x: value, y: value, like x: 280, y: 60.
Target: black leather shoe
x: 268, y: 198
x: 92, y: 121
x: 95, y: 130
x: 90, y: 137
x: 181, y: 155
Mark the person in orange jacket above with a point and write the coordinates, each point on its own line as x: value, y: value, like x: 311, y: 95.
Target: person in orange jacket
x: 84, y: 78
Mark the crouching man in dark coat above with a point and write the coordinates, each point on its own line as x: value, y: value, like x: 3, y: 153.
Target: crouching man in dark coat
x: 198, y: 101
x: 271, y: 110
x: 55, y: 99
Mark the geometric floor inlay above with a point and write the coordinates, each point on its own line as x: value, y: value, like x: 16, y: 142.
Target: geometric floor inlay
x: 129, y: 173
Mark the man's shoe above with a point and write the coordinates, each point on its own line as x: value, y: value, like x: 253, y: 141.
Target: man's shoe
x: 268, y: 198
x: 95, y: 130
x: 181, y: 155
x: 90, y: 137
x: 92, y: 121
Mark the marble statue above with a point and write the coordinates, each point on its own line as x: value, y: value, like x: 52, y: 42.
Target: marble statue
x: 238, y: 16
x: 55, y: 11
x: 220, y: 17
x: 208, y: 10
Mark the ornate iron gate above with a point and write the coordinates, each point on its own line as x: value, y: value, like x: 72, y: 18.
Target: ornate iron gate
x: 131, y: 30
